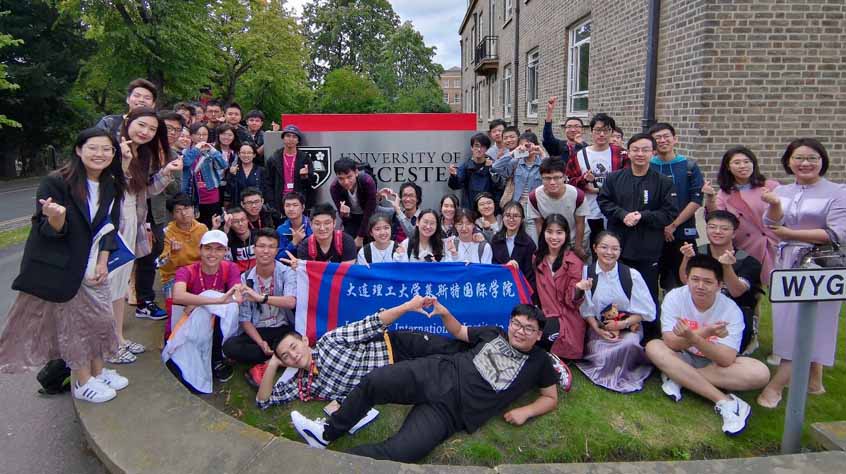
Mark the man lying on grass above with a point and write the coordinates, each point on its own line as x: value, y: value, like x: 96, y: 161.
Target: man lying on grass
x: 702, y: 329
x: 344, y: 355
x: 449, y: 393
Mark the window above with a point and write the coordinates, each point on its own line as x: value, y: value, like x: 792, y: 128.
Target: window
x: 532, y: 60
x: 456, y: 83
x: 578, y: 67
x: 506, y: 91
x: 492, y: 97
x: 457, y: 98
x: 507, y: 9
x: 478, y: 100
x: 446, y: 97
x: 493, y: 18
x: 481, y: 29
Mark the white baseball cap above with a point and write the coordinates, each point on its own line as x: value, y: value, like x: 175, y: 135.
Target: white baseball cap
x: 215, y: 237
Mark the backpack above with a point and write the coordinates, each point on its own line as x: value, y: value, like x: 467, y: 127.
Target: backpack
x: 54, y: 377
x: 624, y: 273
x: 368, y: 170
x: 368, y: 252
x: 338, y: 241
x: 481, y: 247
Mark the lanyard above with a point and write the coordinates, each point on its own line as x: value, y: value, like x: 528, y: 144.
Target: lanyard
x: 261, y: 285
x: 306, y: 397
x: 203, y: 286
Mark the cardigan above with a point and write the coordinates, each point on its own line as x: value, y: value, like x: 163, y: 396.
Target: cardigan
x: 54, y: 262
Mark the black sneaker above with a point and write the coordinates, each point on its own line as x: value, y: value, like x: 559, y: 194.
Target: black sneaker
x: 222, y: 372
x: 150, y: 310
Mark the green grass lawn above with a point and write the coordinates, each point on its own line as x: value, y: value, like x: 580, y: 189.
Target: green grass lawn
x: 590, y: 424
x: 13, y: 236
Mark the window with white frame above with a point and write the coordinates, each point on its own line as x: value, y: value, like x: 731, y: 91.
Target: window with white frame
x: 578, y: 68
x: 457, y: 98
x: 478, y: 99
x: 506, y: 91
x: 507, y: 9
x: 532, y: 62
x: 492, y: 8
x: 492, y: 97
x: 446, y: 97
x: 456, y: 83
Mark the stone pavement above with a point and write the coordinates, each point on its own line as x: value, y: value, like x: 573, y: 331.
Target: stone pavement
x: 156, y: 426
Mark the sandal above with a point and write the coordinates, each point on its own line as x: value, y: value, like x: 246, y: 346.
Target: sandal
x: 122, y: 356
x: 766, y: 403
x: 134, y: 347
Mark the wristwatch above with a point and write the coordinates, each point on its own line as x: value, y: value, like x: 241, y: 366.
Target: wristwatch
x: 266, y: 296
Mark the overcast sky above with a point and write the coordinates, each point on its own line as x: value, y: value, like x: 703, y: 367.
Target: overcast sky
x: 437, y: 20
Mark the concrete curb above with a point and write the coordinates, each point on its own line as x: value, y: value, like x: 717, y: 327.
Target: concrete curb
x: 156, y: 426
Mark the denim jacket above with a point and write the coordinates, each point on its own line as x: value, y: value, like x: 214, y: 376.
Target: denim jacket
x: 525, y: 176
x: 211, y: 169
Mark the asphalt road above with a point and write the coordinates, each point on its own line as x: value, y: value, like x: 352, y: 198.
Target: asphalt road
x: 40, y: 434
x: 17, y: 202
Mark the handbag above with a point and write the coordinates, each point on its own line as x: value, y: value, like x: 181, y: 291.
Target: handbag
x: 823, y: 256
x: 507, y: 193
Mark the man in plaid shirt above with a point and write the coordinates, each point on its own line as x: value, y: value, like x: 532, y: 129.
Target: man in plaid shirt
x: 343, y: 356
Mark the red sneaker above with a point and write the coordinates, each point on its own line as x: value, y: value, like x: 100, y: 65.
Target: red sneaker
x: 255, y: 374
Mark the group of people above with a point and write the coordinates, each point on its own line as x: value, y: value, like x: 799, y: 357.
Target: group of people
x: 596, y: 229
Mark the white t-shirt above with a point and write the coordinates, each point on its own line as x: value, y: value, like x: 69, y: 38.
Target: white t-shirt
x: 468, y: 252
x: 93, y: 198
x: 600, y: 163
x: 404, y: 256
x: 378, y: 256
x: 678, y: 305
x: 565, y: 205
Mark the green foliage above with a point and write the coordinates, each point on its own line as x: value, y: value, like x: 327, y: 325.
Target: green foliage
x: 169, y: 42
x: 7, y: 40
x: 261, y: 56
x: 346, y: 33
x: 45, y: 64
x: 345, y: 91
x: 366, y: 37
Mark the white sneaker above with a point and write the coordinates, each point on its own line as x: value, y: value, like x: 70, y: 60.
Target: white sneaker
x: 93, y: 391
x: 112, y: 379
x: 735, y: 413
x: 310, y: 430
x: 671, y: 388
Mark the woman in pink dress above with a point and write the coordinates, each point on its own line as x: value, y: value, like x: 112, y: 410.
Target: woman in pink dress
x: 741, y: 185
x: 811, y: 211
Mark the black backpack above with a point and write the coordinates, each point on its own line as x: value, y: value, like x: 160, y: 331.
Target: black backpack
x: 54, y: 378
x: 368, y: 169
x: 624, y: 273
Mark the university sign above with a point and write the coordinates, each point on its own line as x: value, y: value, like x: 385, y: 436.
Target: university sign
x: 399, y: 147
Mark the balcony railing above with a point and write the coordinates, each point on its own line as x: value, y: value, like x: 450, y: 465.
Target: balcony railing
x: 487, y: 55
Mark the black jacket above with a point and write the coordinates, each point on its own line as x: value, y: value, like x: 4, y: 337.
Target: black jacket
x: 654, y: 196
x: 273, y: 181
x: 524, y: 249
x: 53, y: 263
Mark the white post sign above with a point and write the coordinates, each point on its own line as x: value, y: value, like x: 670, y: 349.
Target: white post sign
x: 806, y: 286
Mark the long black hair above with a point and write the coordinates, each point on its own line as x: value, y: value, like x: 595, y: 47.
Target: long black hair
x: 435, y: 241
x: 73, y: 172
x: 543, y: 247
x: 725, y: 178
x: 235, y: 146
x: 150, y: 155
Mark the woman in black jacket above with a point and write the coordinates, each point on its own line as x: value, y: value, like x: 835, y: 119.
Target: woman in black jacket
x: 512, y: 244
x: 64, y: 306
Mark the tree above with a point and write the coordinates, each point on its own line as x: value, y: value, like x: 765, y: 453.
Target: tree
x: 169, y: 42
x: 257, y: 40
x: 406, y: 73
x: 45, y: 65
x: 7, y: 40
x: 346, y: 33
x: 346, y: 91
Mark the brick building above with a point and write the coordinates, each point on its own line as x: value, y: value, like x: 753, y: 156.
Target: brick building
x: 451, y: 87
x: 752, y: 72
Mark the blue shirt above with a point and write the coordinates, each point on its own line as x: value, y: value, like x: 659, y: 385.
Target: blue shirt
x: 687, y: 177
x: 284, y: 232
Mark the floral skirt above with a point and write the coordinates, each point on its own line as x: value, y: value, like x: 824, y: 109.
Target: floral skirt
x: 77, y: 331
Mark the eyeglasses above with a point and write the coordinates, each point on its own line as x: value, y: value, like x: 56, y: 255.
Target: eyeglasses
x: 252, y: 203
x: 547, y: 179
x: 527, y: 330
x: 238, y: 221
x: 174, y: 130
x: 812, y: 159
x: 512, y: 216
x: 602, y: 130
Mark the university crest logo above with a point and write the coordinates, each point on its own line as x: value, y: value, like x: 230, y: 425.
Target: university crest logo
x: 321, y: 157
